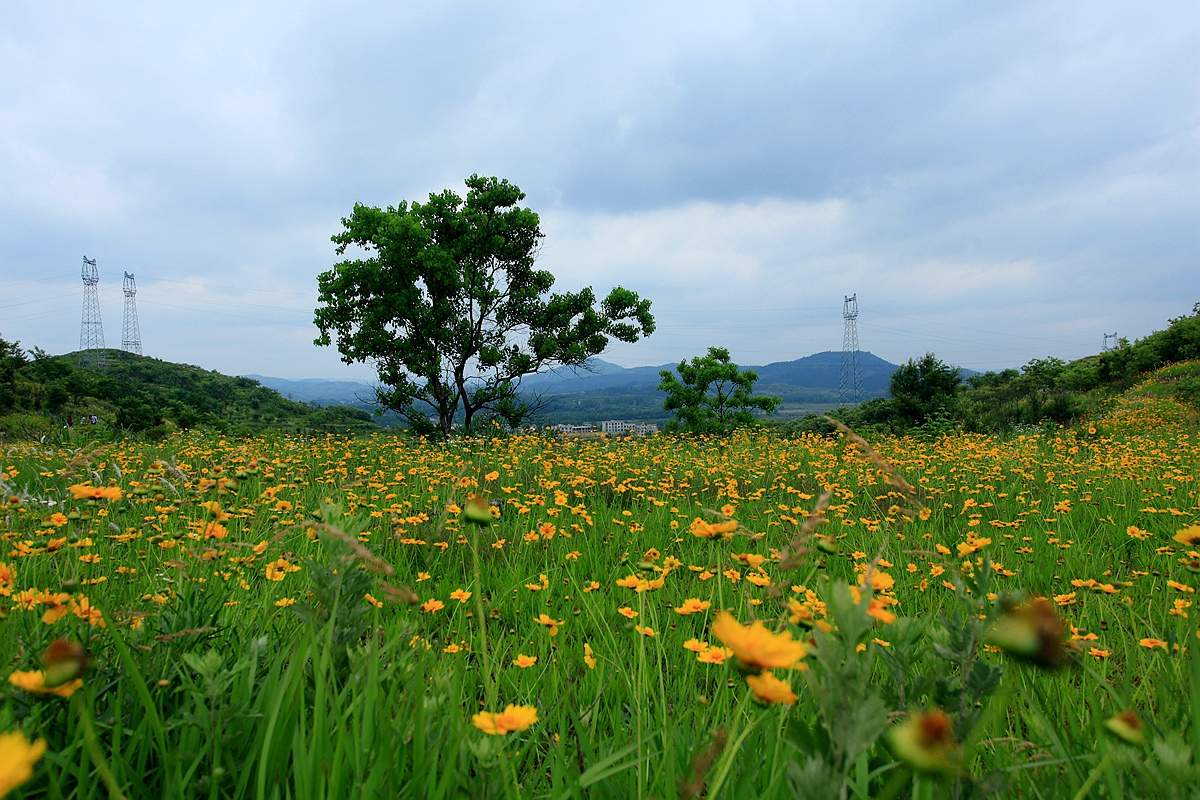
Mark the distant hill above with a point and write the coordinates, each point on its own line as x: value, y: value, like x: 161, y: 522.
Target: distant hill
x: 319, y: 391
x: 610, y: 391
x: 138, y: 393
x: 818, y: 371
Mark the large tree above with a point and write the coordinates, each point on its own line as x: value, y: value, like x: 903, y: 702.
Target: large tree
x: 449, y: 308
x: 923, y: 388
x: 712, y: 394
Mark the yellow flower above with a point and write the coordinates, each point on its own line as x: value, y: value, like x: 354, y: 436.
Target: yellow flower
x: 695, y: 645
x: 17, y: 757
x: 1189, y: 536
x: 755, y: 646
x: 430, y: 606
x: 589, y: 657
x: 512, y: 718
x: 460, y: 595
x: 769, y: 689
x: 646, y: 631
x: 550, y: 623
x: 627, y: 612
x: 523, y: 661
x: 35, y: 681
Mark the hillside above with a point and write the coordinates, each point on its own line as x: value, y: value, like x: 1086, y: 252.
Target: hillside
x: 142, y: 394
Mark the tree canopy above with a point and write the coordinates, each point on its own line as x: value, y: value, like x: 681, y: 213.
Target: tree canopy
x: 924, y: 387
x: 712, y: 395
x: 449, y: 308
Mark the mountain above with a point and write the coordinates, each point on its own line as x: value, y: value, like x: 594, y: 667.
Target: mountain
x: 818, y: 371
x: 610, y: 391
x: 319, y: 391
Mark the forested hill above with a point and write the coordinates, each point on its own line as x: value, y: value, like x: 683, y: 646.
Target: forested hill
x: 141, y: 394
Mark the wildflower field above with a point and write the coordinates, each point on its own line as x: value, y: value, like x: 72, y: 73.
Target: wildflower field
x: 648, y: 617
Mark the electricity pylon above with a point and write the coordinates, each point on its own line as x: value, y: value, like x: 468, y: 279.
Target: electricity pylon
x: 1109, y: 337
x: 850, y: 386
x: 91, y: 329
x: 131, y: 335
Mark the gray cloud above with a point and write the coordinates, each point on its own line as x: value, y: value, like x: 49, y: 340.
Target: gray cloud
x: 1005, y: 181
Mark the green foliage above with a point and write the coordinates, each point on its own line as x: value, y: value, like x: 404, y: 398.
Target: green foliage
x: 923, y: 389
x: 12, y: 358
x: 712, y: 395
x: 451, y: 310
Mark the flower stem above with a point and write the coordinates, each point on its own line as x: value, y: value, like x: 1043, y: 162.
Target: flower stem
x: 93, y: 747
x: 731, y: 751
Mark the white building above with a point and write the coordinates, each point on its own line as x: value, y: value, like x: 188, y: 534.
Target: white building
x: 573, y: 428
x: 619, y: 428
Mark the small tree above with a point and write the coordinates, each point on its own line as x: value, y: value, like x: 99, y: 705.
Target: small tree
x: 712, y: 395
x: 923, y: 388
x: 452, y: 313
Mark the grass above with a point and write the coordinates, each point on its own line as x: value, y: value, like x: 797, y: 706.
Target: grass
x: 254, y: 656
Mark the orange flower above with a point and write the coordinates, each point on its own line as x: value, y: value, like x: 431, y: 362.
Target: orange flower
x: 512, y: 718
x: 523, y: 661
x: 769, y: 689
x: 755, y: 646
x: 84, y: 491
x: 627, y: 612
x: 550, y: 623
x: 460, y: 595
x: 711, y: 530
x: 646, y: 631
x: 1153, y: 643
x: 695, y: 645
x: 430, y: 606
x: 693, y: 605
x: 589, y: 657
x: 713, y: 655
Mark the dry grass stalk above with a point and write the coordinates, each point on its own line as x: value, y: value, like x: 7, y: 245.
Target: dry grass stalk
x: 793, y: 555
x: 893, y: 478
x: 694, y: 786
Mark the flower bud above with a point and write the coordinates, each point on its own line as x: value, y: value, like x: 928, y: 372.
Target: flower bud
x: 64, y: 661
x: 925, y: 742
x: 1126, y: 725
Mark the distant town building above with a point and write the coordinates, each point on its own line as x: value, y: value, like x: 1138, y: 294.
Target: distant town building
x: 573, y: 428
x: 620, y: 428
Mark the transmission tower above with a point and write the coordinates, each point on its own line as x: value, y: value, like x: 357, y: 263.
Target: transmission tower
x: 1109, y: 337
x: 91, y: 330
x: 131, y: 335
x: 850, y: 387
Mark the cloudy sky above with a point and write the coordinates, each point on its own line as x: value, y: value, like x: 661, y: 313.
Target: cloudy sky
x: 995, y: 181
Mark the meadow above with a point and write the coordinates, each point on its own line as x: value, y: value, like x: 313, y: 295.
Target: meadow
x: 302, y: 617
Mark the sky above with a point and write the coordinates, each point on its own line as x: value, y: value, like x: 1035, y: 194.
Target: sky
x: 995, y: 182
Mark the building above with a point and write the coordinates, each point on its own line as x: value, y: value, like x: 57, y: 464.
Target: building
x: 617, y: 427
x: 573, y: 428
